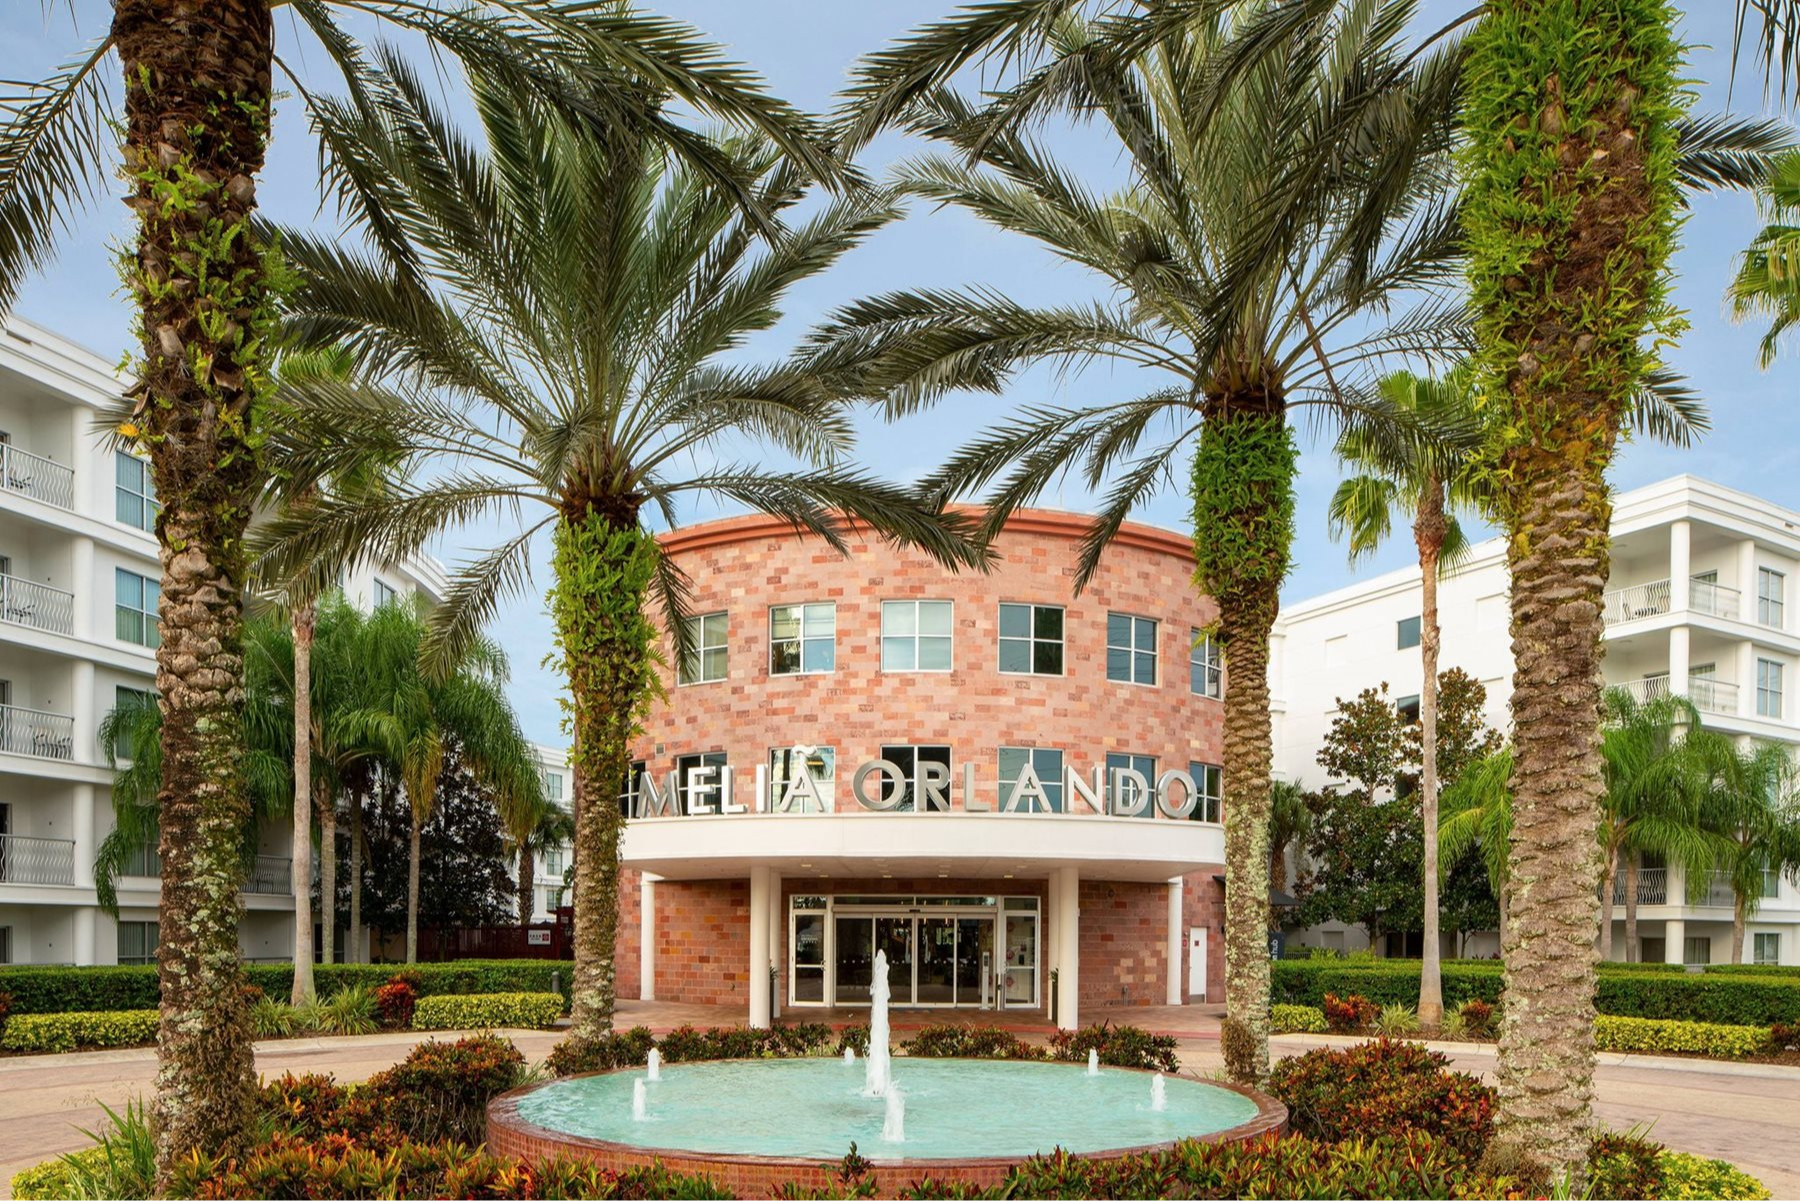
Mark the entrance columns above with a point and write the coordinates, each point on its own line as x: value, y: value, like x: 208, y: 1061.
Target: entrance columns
x: 1065, y: 889
x: 761, y: 902
x: 1674, y: 939
x: 777, y: 913
x: 1176, y: 891
x: 647, y: 937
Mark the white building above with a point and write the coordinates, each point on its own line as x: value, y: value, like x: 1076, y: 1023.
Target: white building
x: 78, y: 593
x: 1700, y: 605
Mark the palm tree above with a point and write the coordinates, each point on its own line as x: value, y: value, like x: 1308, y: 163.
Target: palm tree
x: 1767, y: 283
x: 1477, y: 811
x: 532, y: 830
x: 1429, y: 481
x: 1753, y: 810
x: 1244, y: 262
x: 560, y: 344
x: 198, y: 83
x: 1290, y: 820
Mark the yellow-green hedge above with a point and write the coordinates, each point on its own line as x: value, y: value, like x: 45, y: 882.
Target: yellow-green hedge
x: 49, y: 1180
x: 1694, y: 1177
x: 1296, y: 1019
x: 487, y: 1011
x: 66, y: 1031
x: 1692, y: 1038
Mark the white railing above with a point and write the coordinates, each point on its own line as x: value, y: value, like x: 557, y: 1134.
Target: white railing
x: 271, y: 875
x: 1653, y: 886
x: 1713, y: 696
x: 37, y: 477
x: 1718, y: 891
x: 1639, y: 600
x: 1648, y: 688
x: 1704, y: 596
x: 28, y: 603
x: 37, y: 733
x: 36, y: 860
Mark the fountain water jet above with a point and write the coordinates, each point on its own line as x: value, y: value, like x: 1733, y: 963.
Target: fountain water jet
x: 637, y: 1099
x: 653, y: 1066
x: 879, y: 1073
x: 893, y: 1117
x: 849, y: 1056
x: 1093, y: 1063
x: 1159, y: 1093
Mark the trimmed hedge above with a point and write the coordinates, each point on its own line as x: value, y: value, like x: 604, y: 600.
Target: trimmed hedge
x: 1296, y: 1019
x: 487, y: 1011
x: 66, y: 1031
x: 1692, y: 1038
x: 88, y: 989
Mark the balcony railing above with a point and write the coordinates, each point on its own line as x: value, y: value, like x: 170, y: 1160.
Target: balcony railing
x: 27, y: 603
x: 1639, y: 600
x: 1709, y: 695
x: 37, y: 733
x: 1704, y: 596
x: 1648, y: 688
x: 1653, y: 886
x: 271, y: 875
x: 36, y: 860
x: 37, y: 477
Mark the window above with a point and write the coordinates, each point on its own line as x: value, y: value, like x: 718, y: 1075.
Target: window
x: 700, y: 797
x: 137, y: 942
x: 1768, y: 688
x: 124, y: 699
x: 704, y: 662
x: 1408, y: 708
x: 136, y: 608
x: 785, y: 763
x: 802, y: 639
x: 1771, y: 596
x: 145, y: 860
x: 383, y: 592
x: 553, y: 785
x: 1048, y: 764
x: 1123, y: 791
x: 1204, y: 676
x: 1031, y: 640
x: 915, y: 635
x: 5, y: 944
x: 1697, y: 949
x: 134, y: 496
x: 1130, y: 649
x: 1407, y: 629
x: 912, y: 761
x: 632, y: 789
x: 1766, y: 949
x: 553, y: 864
x: 1209, y: 783
x: 1771, y: 883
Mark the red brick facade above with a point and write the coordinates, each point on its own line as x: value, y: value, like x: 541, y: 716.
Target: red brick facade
x: 743, y: 566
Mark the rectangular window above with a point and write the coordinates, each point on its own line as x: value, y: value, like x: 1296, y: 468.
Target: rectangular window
x: 553, y: 864
x: 1768, y: 688
x: 1208, y: 782
x: 912, y: 761
x: 802, y: 639
x: 632, y: 789
x: 384, y: 592
x: 785, y: 763
x: 1407, y: 631
x: 1031, y: 640
x: 700, y: 796
x: 1771, y: 596
x: 1205, y: 678
x: 145, y: 860
x: 5, y: 944
x: 134, y: 496
x: 1696, y: 949
x: 1130, y: 649
x: 553, y: 785
x: 1766, y: 949
x: 135, y: 612
x: 1408, y: 709
x: 1123, y: 790
x: 1771, y: 884
x: 705, y: 660
x: 123, y: 699
x: 1048, y: 764
x: 137, y: 942
x: 915, y: 635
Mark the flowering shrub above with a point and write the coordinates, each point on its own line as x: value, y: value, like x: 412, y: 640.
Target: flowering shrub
x: 1385, y: 1089
x: 1783, y: 1036
x: 1478, y: 1017
x: 441, y: 1090
x: 1296, y: 1019
x: 394, y: 1002
x: 1118, y: 1046
x: 1347, y: 1015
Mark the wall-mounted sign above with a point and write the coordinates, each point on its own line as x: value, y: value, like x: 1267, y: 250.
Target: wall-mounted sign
x: 537, y: 938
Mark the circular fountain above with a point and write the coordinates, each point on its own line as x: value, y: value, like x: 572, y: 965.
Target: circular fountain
x: 752, y: 1124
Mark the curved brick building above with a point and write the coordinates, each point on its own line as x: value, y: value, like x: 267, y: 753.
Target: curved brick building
x: 1011, y: 790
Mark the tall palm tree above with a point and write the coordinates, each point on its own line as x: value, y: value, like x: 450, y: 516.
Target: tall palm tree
x: 1248, y: 265
x: 198, y: 81
x: 533, y: 829
x: 1429, y: 482
x: 1767, y: 283
x: 1753, y: 809
x: 560, y: 345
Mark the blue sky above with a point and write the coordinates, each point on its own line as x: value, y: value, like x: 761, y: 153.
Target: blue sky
x: 803, y: 48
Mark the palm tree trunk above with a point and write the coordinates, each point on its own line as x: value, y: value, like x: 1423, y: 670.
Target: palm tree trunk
x: 1429, y: 531
x: 1634, y: 951
x: 604, y: 564
x: 1608, y: 873
x: 527, y: 874
x: 412, y: 891
x: 327, y: 871
x: 197, y: 81
x: 1739, y: 906
x: 356, y: 951
x: 300, y: 860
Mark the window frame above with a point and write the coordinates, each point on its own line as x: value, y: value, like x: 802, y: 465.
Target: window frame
x: 1690, y: 942
x: 799, y: 641
x: 1771, y: 682
x: 1131, y: 648
x: 634, y: 787
x: 1771, y: 611
x: 916, y: 637
x: 1203, y: 656
x: 915, y: 777
x: 1400, y: 632
x: 701, y: 759
x: 824, y: 785
x: 1757, y: 955
x: 701, y: 646
x: 143, y: 495
x: 1053, y: 783
x: 1132, y: 761
x: 1213, y: 802
x: 1032, y: 640
x: 382, y: 593
x: 149, y: 593
x: 150, y: 930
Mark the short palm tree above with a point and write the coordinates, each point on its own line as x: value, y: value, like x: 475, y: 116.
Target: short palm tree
x: 1767, y: 283
x: 533, y: 829
x: 1753, y: 810
x: 199, y: 81
x: 1290, y: 820
x: 560, y: 346
x: 1251, y: 270
x: 1476, y: 811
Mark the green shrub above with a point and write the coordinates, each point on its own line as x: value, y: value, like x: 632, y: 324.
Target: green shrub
x: 1732, y: 999
x: 1694, y: 1178
x: 1296, y: 1019
x: 1624, y: 1165
x: 66, y: 1031
x: 603, y: 1054
x: 1395, y: 1021
x: 951, y: 1041
x: 854, y: 1038
x: 1346, y: 1015
x: 1690, y: 1038
x: 270, y: 1018
x: 352, y: 1011
x: 1118, y: 1046
x: 49, y: 1181
x: 441, y: 1090
x: 1384, y: 1089
x: 483, y: 1011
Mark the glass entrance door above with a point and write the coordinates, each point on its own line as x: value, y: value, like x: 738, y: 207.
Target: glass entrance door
x: 937, y: 961
x: 941, y: 951
x: 895, y: 936
x: 854, y: 960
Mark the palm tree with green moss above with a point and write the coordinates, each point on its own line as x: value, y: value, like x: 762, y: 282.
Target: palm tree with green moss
x: 555, y: 331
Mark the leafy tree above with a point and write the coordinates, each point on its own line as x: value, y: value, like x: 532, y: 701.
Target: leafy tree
x: 1250, y: 273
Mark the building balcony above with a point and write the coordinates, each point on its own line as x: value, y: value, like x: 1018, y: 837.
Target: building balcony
x: 1655, y: 598
x: 271, y: 875
x: 31, y: 475
x: 28, y: 603
x: 26, y: 860
x: 1653, y: 889
x: 1708, y: 695
x: 36, y: 733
